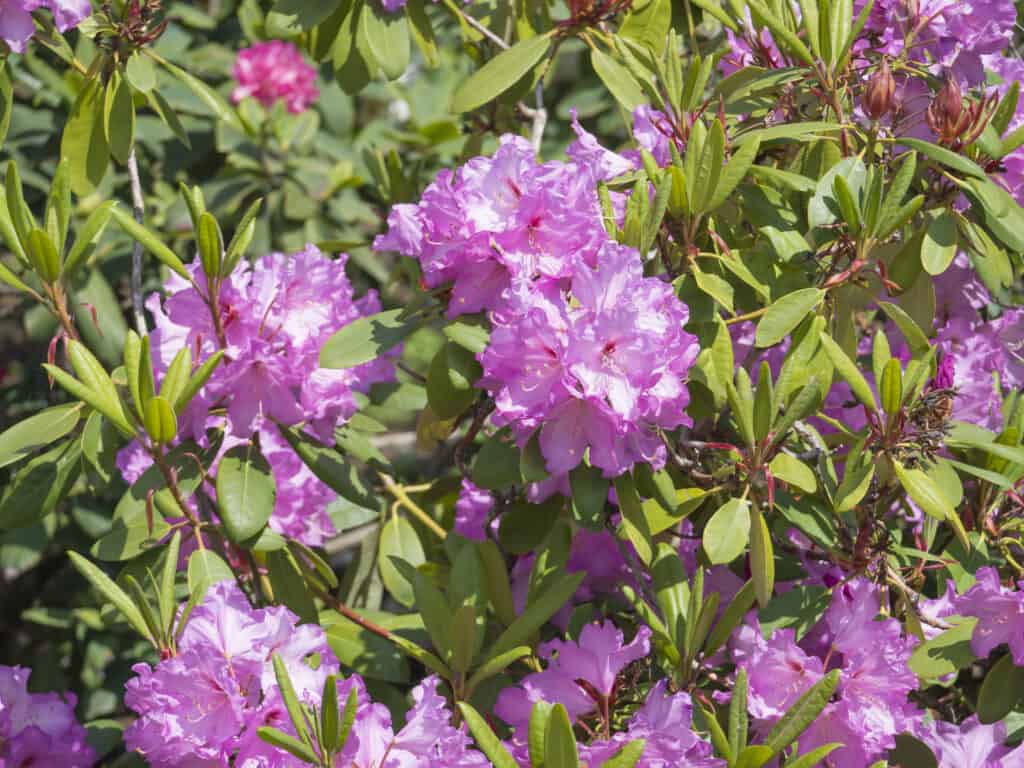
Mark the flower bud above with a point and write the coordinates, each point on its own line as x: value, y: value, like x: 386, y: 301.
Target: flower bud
x: 879, y: 93
x: 946, y: 115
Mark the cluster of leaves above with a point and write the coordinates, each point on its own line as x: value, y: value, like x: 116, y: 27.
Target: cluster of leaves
x: 797, y: 225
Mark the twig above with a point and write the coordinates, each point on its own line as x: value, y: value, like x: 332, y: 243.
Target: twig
x: 402, y: 499
x: 354, y: 617
x: 478, y: 26
x: 538, y: 114
x: 139, y: 212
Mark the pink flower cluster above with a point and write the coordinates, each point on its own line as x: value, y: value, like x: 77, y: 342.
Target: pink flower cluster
x: 275, y: 71
x: 583, y: 676
x: 584, y: 347
x: 17, y: 26
x: 39, y: 729
x: 204, y: 705
x: 274, y: 316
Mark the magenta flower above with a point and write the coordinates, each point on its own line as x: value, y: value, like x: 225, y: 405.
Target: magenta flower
x: 600, y: 368
x: 665, y: 723
x: 275, y: 71
x: 1000, y: 614
x: 199, y: 704
x: 275, y: 315
x: 582, y: 675
x: 39, y: 728
x: 17, y: 26
x: 870, y: 705
x: 971, y: 744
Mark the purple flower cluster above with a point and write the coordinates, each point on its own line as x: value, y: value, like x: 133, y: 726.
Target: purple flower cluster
x: 870, y: 706
x: 17, y: 26
x: 275, y: 71
x: 274, y: 316
x: 1000, y: 614
x: 583, y: 676
x: 971, y: 744
x: 39, y: 729
x: 952, y: 36
x: 599, y: 367
x: 204, y: 705
x: 584, y: 347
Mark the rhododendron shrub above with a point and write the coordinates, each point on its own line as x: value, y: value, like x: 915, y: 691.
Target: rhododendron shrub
x: 394, y: 384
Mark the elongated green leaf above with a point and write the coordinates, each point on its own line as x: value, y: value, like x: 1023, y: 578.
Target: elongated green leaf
x: 944, y: 654
x: 37, y: 431
x: 848, y: 370
x: 387, y: 34
x: 560, y: 742
x: 245, y: 493
x: 105, y: 586
x: 205, y: 568
x: 802, y: 714
x: 485, y: 738
x: 620, y: 83
x: 943, y: 156
x: 150, y: 242
x: 785, y: 314
x: 536, y: 614
x: 500, y: 73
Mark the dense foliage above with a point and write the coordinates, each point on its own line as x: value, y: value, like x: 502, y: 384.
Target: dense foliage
x: 393, y: 384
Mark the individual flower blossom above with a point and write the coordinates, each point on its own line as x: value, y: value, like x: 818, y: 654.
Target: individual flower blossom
x: 580, y: 675
x: 497, y: 221
x: 39, y: 729
x: 17, y: 26
x: 274, y: 316
x: 197, y: 705
x: 472, y: 511
x: 1000, y: 614
x: 275, y: 71
x: 970, y: 744
x: 870, y: 705
x: 665, y: 723
x: 601, y: 368
x: 950, y: 36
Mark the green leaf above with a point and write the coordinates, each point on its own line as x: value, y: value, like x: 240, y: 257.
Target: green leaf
x: 450, y: 379
x: 288, y: 584
x: 628, y: 756
x: 1001, y: 691
x: 206, y: 568
x: 617, y: 79
x: 399, y: 540
x: 37, y: 431
x: 589, y: 495
x: 943, y: 156
x: 940, y: 242
x: 560, y: 742
x: 648, y: 24
x: 929, y: 497
x: 816, y: 756
x: 210, y: 98
x: 387, y: 34
x: 330, y: 717
x: 140, y: 72
x: 500, y: 73
x: 211, y: 244
x: 485, y: 738
x: 473, y: 338
x: 496, y: 665
x: 106, y: 587
x: 245, y: 493
x: 150, y: 242
x: 848, y: 370
x: 524, y: 526
x: 634, y: 523
x: 762, y: 558
x: 497, y: 465
x: 891, y: 388
x: 126, y: 541
x: 536, y: 614
x: 290, y: 699
x: 785, y: 314
x: 734, y: 172
x: 727, y: 532
x: 365, y: 339
x: 944, y: 654
x: 6, y: 102
x: 119, y: 119
x: 791, y: 470
x: 83, y: 145
x: 291, y: 745
x: 87, y: 238
x: 160, y: 420
x: 911, y: 331
x: 802, y: 714
x: 42, y: 253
